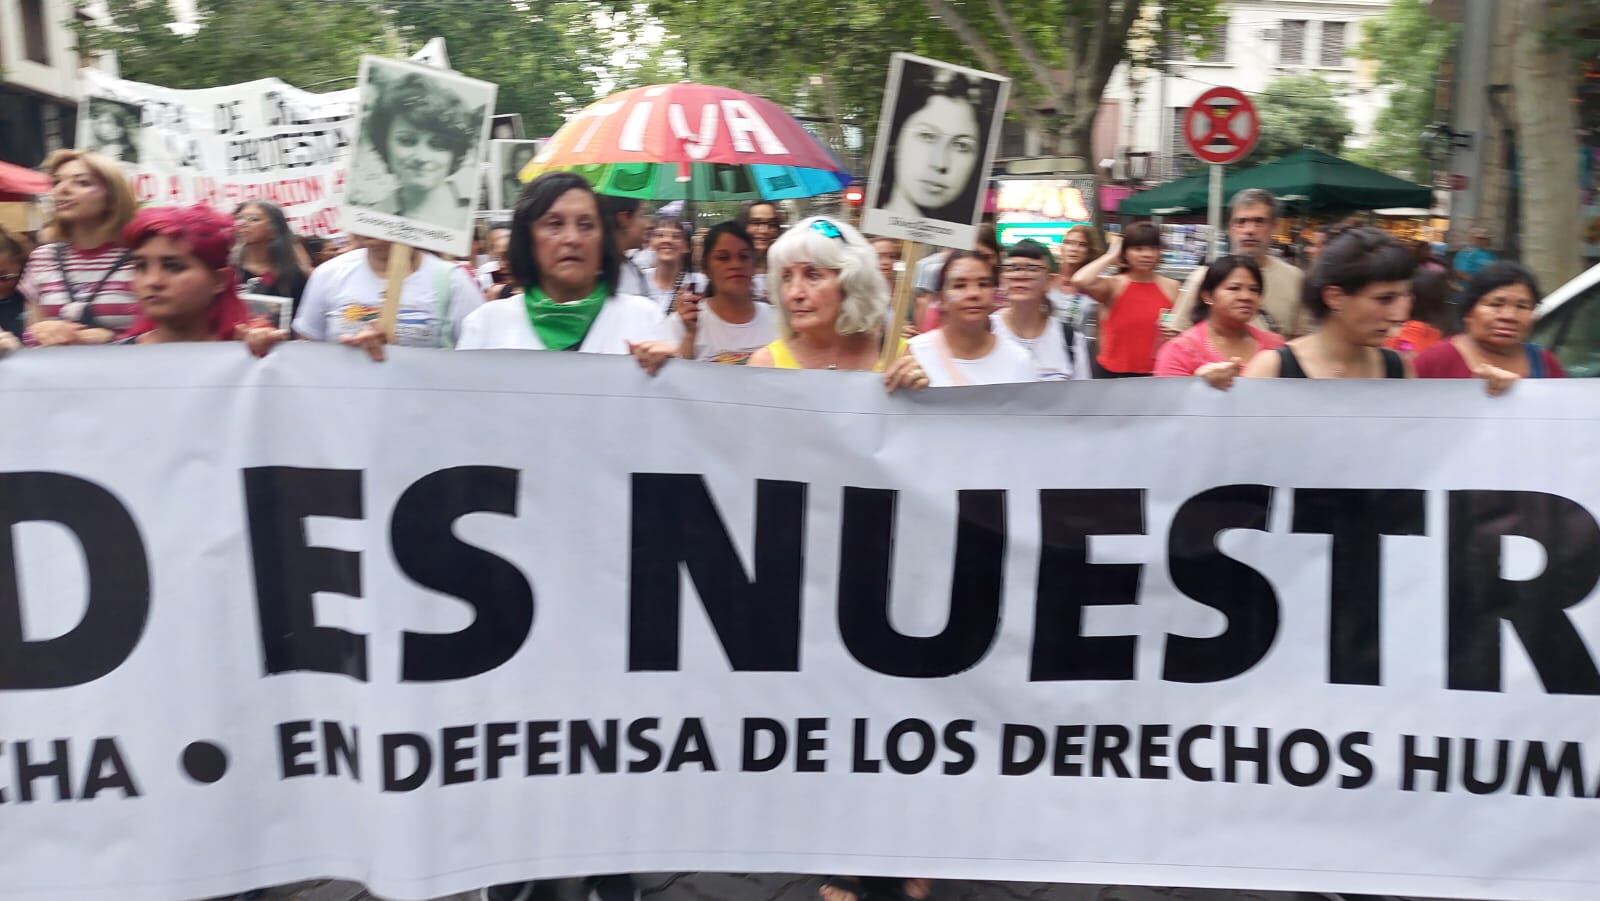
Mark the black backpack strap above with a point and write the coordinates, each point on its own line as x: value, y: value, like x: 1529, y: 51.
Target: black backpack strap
x: 1393, y: 366
x: 1289, y: 364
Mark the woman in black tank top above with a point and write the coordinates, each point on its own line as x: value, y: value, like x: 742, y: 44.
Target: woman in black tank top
x: 1358, y: 294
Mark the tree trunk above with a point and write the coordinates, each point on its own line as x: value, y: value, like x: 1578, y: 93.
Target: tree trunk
x: 1543, y: 77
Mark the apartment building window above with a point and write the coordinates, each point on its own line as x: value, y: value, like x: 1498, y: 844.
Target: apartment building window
x: 1332, y: 51
x: 1292, y: 42
x: 1215, y: 49
x: 1177, y: 151
x: 35, y: 45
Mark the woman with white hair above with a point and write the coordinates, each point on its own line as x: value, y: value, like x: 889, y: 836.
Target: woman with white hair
x: 832, y: 304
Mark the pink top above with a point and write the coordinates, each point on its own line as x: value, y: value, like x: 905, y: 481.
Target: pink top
x: 1185, y: 354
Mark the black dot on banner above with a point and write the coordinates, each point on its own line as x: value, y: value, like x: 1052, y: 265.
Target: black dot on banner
x: 205, y: 761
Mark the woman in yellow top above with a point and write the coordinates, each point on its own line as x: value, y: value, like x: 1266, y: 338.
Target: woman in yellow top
x: 832, y: 305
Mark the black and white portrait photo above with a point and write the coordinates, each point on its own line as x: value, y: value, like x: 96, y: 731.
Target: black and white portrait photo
x: 111, y: 128
x: 507, y: 158
x: 415, y: 173
x: 936, y: 143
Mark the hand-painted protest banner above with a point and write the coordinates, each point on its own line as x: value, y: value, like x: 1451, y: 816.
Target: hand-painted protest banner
x: 460, y: 619
x: 260, y: 140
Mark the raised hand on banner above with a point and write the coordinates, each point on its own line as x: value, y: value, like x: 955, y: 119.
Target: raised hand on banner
x: 8, y: 343
x: 55, y: 333
x: 1221, y: 375
x: 651, y: 355
x: 1498, y: 381
x: 906, y: 373
x: 368, y: 339
x: 260, y: 339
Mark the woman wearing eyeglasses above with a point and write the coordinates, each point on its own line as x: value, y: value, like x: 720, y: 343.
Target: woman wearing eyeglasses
x: 831, y: 305
x: 1056, y: 349
x: 764, y: 222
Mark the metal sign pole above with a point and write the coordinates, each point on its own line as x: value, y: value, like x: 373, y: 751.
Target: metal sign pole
x: 1215, y: 218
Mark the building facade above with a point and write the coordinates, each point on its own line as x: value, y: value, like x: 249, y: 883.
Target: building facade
x: 38, y: 79
x: 1263, y: 40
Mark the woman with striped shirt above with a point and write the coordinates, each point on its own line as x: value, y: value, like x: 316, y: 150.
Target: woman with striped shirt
x: 80, y: 289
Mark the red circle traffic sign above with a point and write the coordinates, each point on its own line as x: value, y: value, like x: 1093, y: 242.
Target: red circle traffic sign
x: 1221, y: 126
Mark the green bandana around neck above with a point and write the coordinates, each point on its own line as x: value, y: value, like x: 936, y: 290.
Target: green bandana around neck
x: 562, y: 325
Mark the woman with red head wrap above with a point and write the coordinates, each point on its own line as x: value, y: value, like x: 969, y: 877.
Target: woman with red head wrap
x: 181, y: 278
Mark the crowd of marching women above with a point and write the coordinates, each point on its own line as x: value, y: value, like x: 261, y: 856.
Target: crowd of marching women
x: 578, y: 272
x: 567, y: 275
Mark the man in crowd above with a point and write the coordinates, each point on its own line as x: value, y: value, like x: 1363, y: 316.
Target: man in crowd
x: 1251, y: 219
x: 1469, y: 261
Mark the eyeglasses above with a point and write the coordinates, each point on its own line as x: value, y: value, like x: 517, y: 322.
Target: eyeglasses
x: 763, y: 223
x: 1023, y: 269
x: 10, y: 276
x: 828, y: 229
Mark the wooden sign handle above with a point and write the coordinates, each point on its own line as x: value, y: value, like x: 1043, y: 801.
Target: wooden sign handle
x: 904, y: 293
x: 399, y: 268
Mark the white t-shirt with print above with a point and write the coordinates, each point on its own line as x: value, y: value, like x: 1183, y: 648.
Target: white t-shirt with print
x: 717, y: 340
x: 1048, y: 350
x: 1004, y: 364
x: 344, y: 295
x: 504, y: 325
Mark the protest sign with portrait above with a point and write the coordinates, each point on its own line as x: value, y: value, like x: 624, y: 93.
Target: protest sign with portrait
x: 506, y: 159
x: 414, y: 174
x: 937, y: 137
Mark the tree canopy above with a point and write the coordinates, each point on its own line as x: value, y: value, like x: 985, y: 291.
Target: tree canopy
x: 1299, y: 111
x: 1409, y: 44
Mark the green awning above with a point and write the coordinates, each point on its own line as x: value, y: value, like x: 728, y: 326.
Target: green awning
x: 1306, y: 180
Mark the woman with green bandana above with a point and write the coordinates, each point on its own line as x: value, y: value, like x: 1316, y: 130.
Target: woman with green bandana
x: 562, y: 249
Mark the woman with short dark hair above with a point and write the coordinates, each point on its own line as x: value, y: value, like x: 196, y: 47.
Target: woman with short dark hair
x: 1358, y: 293
x: 1497, y: 312
x: 1131, y: 302
x: 563, y: 252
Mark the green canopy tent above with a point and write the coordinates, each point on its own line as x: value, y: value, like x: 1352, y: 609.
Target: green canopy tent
x: 1317, y: 182
x: 1307, y: 180
x: 1180, y: 197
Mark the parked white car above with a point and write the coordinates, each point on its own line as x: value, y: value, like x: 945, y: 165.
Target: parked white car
x: 1569, y: 324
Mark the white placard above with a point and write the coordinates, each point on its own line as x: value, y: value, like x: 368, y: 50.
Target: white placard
x: 414, y: 174
x: 937, y: 138
x: 260, y: 140
x: 460, y: 618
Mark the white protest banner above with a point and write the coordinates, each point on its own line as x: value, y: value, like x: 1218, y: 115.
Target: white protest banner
x: 260, y: 140
x: 464, y: 618
x: 416, y: 171
x: 937, y: 137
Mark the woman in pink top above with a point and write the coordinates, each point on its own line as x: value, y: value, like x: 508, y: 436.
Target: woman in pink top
x: 1223, y: 336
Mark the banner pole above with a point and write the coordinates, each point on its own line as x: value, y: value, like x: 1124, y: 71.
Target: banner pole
x: 399, y: 268
x: 910, y: 253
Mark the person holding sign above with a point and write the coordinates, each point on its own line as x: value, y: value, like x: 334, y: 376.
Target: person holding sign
x: 963, y: 350
x: 563, y: 251
x: 186, y: 289
x: 344, y: 299
x: 82, y: 285
x: 832, y: 305
x: 1224, y: 335
x: 1132, y: 302
x: 423, y: 131
x: 728, y: 325
x: 267, y: 253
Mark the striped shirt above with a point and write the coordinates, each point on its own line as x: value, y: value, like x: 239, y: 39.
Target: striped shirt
x: 114, y: 307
